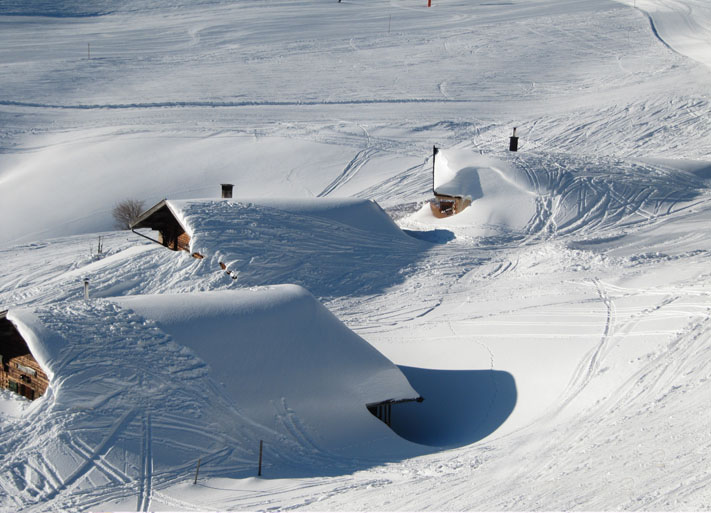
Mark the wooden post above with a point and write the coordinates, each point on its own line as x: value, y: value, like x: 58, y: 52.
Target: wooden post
x: 86, y: 288
x: 261, y: 444
x: 434, y: 155
x: 429, y: 3
x: 197, y: 470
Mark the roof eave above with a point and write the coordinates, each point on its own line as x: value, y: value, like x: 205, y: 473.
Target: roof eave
x: 139, y: 223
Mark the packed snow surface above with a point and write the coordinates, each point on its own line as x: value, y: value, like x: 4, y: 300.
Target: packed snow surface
x: 559, y: 329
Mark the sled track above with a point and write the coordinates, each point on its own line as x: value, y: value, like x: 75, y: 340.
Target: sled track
x: 94, y: 456
x: 361, y: 158
x: 590, y: 365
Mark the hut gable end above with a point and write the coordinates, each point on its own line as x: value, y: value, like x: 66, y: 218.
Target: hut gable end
x: 161, y: 219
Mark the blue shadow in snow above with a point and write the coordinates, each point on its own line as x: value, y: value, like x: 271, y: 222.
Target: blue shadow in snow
x: 434, y: 236
x: 460, y: 406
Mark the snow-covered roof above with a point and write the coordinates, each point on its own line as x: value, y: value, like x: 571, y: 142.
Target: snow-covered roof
x: 275, y: 342
x: 209, y: 214
x: 466, y: 174
x: 324, y: 244
x: 235, y: 366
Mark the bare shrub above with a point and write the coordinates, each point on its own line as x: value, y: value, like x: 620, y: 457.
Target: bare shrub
x: 126, y: 212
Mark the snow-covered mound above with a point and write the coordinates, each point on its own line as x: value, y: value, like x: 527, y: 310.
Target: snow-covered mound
x: 143, y: 386
x: 331, y: 246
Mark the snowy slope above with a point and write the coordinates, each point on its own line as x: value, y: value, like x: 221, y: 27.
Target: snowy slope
x: 682, y: 26
x: 565, y: 343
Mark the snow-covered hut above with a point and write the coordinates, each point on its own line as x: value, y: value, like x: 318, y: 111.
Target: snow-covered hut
x: 460, y: 177
x: 329, y: 245
x: 177, y: 221
x: 280, y: 344
x: 20, y: 372
x: 236, y: 366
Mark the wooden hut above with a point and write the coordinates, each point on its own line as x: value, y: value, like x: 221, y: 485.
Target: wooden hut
x: 20, y: 372
x: 446, y: 203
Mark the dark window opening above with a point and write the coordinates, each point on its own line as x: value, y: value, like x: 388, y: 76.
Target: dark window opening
x: 383, y: 411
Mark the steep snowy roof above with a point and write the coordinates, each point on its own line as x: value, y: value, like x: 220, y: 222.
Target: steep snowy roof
x: 330, y: 246
x: 276, y: 343
x: 202, y: 375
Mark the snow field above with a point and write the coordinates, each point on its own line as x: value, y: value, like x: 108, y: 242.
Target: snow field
x: 566, y: 343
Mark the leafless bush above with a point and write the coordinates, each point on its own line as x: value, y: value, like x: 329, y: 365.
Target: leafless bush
x: 126, y: 212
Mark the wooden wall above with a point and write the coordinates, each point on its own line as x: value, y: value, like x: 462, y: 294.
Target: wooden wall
x: 19, y: 371
x: 444, y: 206
x: 173, y: 237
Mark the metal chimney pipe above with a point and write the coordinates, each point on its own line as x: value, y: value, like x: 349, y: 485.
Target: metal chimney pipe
x: 227, y: 190
x: 435, y: 151
x: 513, y: 141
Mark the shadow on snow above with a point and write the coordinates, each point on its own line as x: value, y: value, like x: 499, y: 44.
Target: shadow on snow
x: 460, y: 407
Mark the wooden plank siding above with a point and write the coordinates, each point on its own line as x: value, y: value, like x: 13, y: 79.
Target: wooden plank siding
x: 445, y: 206
x: 19, y: 371
x: 183, y: 242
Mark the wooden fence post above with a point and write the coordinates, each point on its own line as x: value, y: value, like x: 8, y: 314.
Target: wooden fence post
x: 197, y: 470
x: 261, y: 444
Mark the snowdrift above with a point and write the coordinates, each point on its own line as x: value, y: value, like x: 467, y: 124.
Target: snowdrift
x: 142, y: 386
x: 684, y: 27
x: 117, y: 167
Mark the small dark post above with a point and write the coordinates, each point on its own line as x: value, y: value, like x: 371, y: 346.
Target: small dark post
x: 435, y: 150
x: 197, y: 470
x: 261, y: 444
x: 227, y: 190
x: 513, y: 141
x: 86, y: 288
